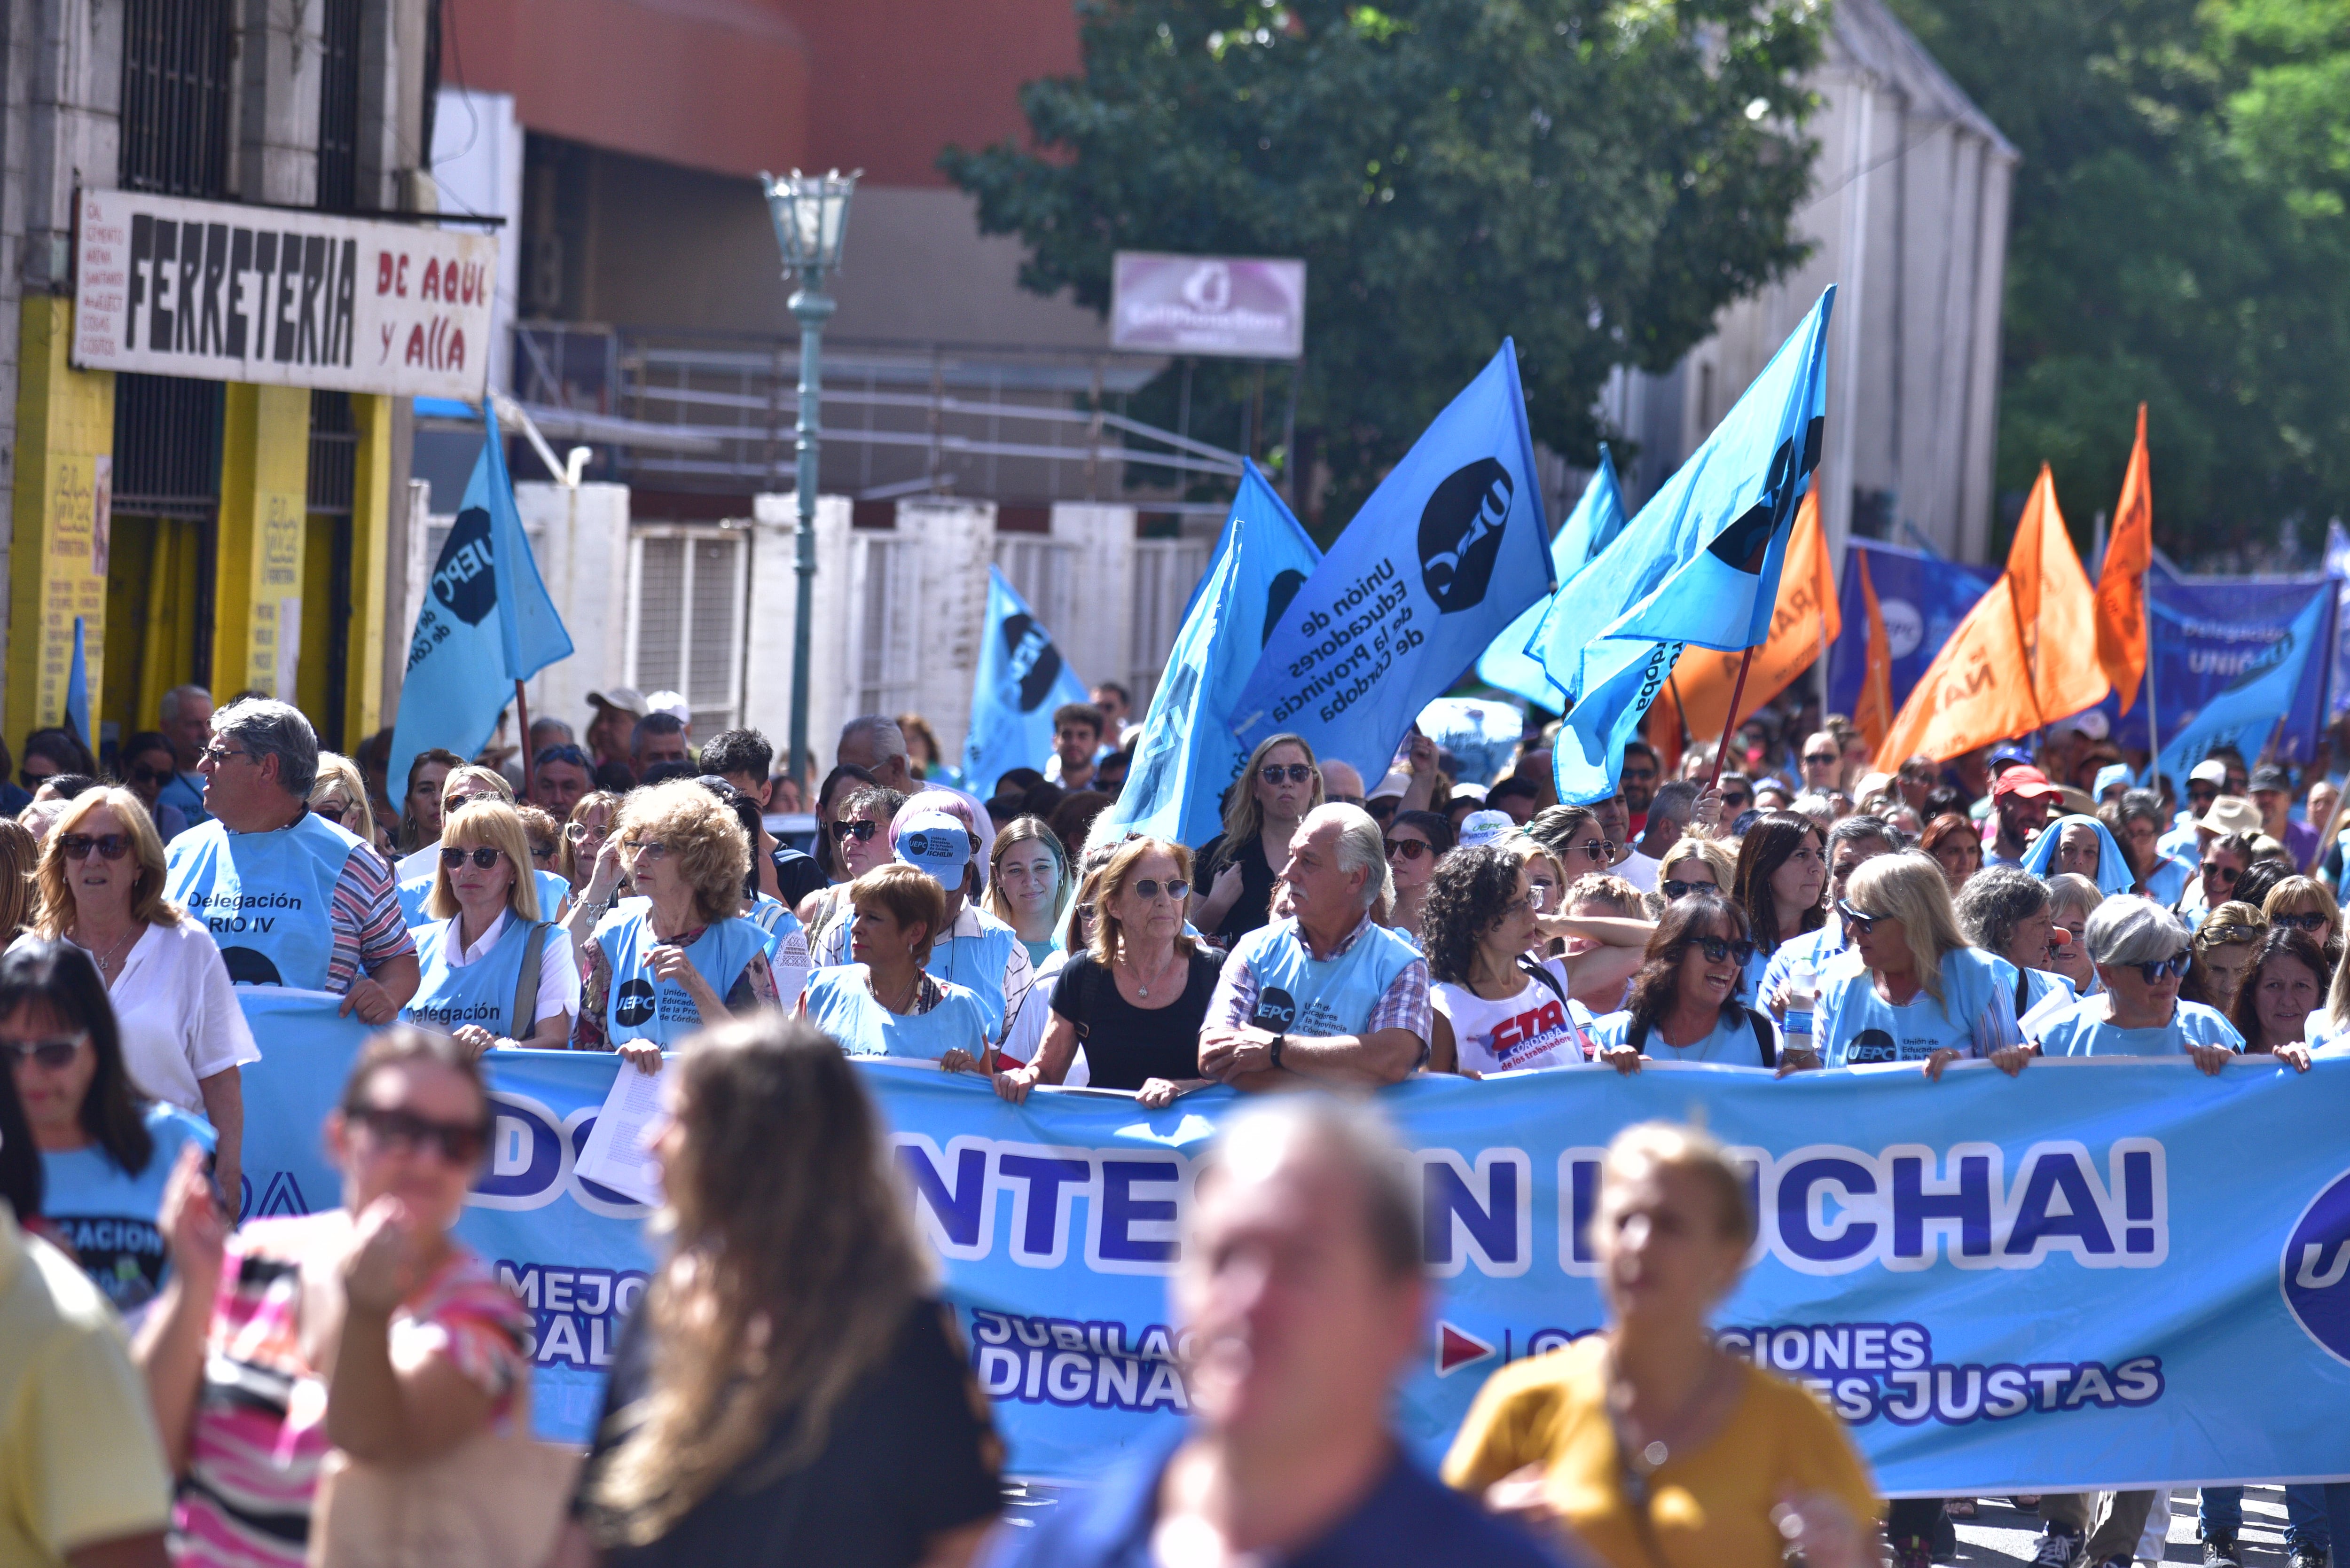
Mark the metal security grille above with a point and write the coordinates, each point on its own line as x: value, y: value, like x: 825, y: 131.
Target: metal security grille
x: 685, y: 618
x: 334, y: 453
x: 177, y: 60
x: 167, y: 444
x: 1165, y: 572
x: 339, y: 108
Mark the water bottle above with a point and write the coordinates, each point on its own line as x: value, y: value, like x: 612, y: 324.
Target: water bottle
x: 1795, y: 1029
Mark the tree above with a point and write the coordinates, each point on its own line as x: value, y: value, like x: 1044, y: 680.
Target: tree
x: 1597, y: 180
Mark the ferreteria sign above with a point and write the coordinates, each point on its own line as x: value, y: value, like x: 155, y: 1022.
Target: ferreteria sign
x: 225, y: 293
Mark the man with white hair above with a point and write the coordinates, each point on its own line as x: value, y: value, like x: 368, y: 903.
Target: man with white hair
x: 873, y: 742
x: 186, y: 713
x: 1326, y: 994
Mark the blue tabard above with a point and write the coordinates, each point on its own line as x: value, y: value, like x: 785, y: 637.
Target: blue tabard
x: 264, y: 896
x: 479, y: 992
x: 1318, y: 998
x: 636, y: 1006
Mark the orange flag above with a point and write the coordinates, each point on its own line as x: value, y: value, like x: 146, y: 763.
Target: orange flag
x: 1873, y: 714
x: 1806, y: 618
x: 2056, y: 613
x: 2121, y: 581
x: 1976, y: 690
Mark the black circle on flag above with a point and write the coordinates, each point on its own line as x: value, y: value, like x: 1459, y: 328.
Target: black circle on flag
x: 634, y: 1005
x: 1276, y: 600
x: 463, y: 579
x: 1030, y: 663
x: 1460, y: 534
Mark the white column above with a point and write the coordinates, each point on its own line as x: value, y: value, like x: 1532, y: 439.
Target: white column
x: 774, y: 612
x: 1096, y: 642
x: 955, y: 544
x: 581, y: 539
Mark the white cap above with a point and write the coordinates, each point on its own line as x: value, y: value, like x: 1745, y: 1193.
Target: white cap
x: 671, y: 703
x: 1485, y: 827
x: 2210, y: 770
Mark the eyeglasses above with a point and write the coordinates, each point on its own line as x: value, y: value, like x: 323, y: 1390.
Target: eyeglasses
x: 217, y: 753
x: 2224, y: 874
x: 1410, y: 848
x: 1601, y: 850
x: 1296, y: 772
x: 2313, y: 921
x: 1823, y: 759
x: 484, y: 855
x: 1146, y: 890
x: 1861, y: 925
x: 1717, y: 949
x: 78, y: 845
x: 2160, y: 969
x: 53, y: 1055
x: 394, y: 1129
x: 542, y: 851
x: 859, y: 831
x: 2211, y: 936
x: 580, y: 832
x: 1674, y: 888
x: 562, y: 753
x: 645, y: 849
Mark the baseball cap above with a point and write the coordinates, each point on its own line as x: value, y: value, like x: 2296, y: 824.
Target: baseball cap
x: 2270, y: 776
x: 2028, y: 781
x: 2109, y: 775
x: 2210, y: 770
x: 627, y: 698
x: 2093, y: 723
x: 2010, y: 757
x: 938, y: 844
x: 1391, y: 787
x: 671, y: 703
x: 1468, y: 792
x: 1485, y: 826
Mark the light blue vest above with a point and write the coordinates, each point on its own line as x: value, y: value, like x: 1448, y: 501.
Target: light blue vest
x: 1976, y: 1015
x: 638, y: 1007
x: 264, y: 896
x: 479, y: 992
x: 552, y: 890
x: 838, y: 1001
x: 1300, y: 995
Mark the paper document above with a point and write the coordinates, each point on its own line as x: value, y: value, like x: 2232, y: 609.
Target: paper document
x: 614, y: 1155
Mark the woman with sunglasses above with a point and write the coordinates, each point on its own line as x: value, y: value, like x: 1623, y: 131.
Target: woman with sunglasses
x: 185, y: 1040
x: 1136, y: 998
x: 1416, y: 841
x: 1262, y: 810
x: 367, y: 1328
x: 417, y: 871
x: 858, y: 840
x: 2225, y: 859
x: 2221, y: 954
x: 1783, y: 869
x: 1919, y: 992
x: 147, y: 763
x: 1694, y: 865
x: 2305, y: 904
x: 498, y: 973
x: 1684, y: 1004
x: 338, y: 794
x: 1955, y: 845
x: 2140, y: 952
x: 107, y: 1150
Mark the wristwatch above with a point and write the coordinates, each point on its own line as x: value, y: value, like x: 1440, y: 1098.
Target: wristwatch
x: 1273, y: 1057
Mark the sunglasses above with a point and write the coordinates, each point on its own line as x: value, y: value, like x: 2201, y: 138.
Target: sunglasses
x: 54, y: 1055
x: 859, y: 831
x: 393, y: 1128
x: 1857, y: 923
x: 150, y: 776
x: 542, y: 852
x: 78, y: 845
x: 1734, y: 803
x: 2226, y: 935
x: 1717, y: 949
x: 1675, y: 889
x: 217, y: 753
x: 2169, y: 968
x: 1600, y: 850
x: 1410, y: 848
x: 572, y: 754
x: 2309, y: 922
x: 1823, y: 759
x: 334, y: 814
x: 1296, y: 772
x: 484, y: 857
x: 1146, y: 890
x: 2205, y: 792
x: 2224, y: 874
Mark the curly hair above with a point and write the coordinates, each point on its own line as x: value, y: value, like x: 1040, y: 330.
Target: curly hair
x: 1463, y: 902
x: 704, y: 840
x: 2282, y: 942
x: 1658, y: 979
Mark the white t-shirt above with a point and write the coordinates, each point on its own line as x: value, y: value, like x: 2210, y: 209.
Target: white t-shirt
x: 176, y: 1011
x: 1639, y: 870
x: 559, y: 967
x: 1533, y: 1029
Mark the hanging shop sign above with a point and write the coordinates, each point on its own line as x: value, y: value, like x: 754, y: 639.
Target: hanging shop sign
x: 1225, y: 306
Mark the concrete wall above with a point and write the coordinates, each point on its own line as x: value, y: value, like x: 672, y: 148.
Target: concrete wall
x: 580, y: 536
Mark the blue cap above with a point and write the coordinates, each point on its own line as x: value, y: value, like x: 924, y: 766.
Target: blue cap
x: 2109, y: 775
x: 937, y: 843
x: 2010, y: 754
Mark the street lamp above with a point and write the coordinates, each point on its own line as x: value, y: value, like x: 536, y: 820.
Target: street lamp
x: 811, y: 217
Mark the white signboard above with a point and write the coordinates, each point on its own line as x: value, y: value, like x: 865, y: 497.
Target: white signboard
x: 225, y: 293
x: 1232, y: 307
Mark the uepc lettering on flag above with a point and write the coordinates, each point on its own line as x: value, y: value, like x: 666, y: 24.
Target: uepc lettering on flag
x: 2246, y: 711
x: 1449, y: 548
x: 1590, y: 528
x: 1700, y: 564
x: 1021, y: 678
x: 1187, y: 757
x: 485, y: 623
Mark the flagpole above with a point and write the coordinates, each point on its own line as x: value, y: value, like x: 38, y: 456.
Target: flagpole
x: 522, y: 717
x: 1680, y: 711
x: 1730, y: 719
x: 2153, y: 717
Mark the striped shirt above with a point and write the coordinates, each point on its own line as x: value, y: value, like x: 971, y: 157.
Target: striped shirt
x: 365, y: 912
x: 1405, y: 1004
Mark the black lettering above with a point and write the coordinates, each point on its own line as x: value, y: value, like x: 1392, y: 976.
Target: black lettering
x: 209, y: 340
x: 192, y: 261
x: 158, y: 316
x: 342, y: 326
x: 281, y: 316
x: 315, y: 256
x: 240, y: 263
x: 264, y: 266
x: 142, y: 249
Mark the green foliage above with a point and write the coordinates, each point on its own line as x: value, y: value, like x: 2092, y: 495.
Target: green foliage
x: 2177, y: 237
x: 1596, y: 179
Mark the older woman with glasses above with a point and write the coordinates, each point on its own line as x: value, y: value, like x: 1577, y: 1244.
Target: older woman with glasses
x: 584, y: 833
x: 463, y: 787
x: 1416, y: 841
x: 2141, y: 953
x: 1919, y: 993
x: 858, y: 837
x: 2072, y: 900
x: 2306, y: 905
x: 1684, y: 1002
x: 498, y: 971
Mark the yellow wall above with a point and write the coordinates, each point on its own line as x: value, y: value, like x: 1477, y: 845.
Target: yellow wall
x: 265, y: 484
x: 371, y: 504
x: 57, y: 560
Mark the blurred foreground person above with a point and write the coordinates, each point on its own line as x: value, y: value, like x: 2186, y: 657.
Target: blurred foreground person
x: 1299, y: 1290
x: 791, y: 1389
x: 1655, y: 1448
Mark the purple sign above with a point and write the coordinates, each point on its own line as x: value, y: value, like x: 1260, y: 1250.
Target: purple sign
x: 1242, y: 308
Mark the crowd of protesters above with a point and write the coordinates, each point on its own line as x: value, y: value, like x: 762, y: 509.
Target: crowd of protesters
x: 791, y: 1388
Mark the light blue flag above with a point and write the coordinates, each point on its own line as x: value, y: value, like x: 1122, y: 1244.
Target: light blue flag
x: 1187, y: 757
x: 2245, y: 712
x: 1699, y: 564
x: 1447, y: 550
x: 78, y: 692
x: 1021, y: 678
x: 1590, y: 528
x: 485, y: 623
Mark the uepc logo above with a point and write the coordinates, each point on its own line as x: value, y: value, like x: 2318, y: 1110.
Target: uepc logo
x: 2316, y: 1270
x: 532, y: 1156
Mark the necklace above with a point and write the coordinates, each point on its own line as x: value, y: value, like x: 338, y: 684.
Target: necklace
x: 111, y: 958
x: 905, y: 1002
x: 1142, y: 989
x: 1652, y: 1456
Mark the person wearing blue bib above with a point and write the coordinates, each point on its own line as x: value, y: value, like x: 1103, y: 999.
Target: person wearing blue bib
x: 2141, y: 955
x: 1919, y: 993
x: 291, y: 899
x: 677, y: 957
x: 1792, y: 978
x: 482, y: 981
x: 884, y: 1004
x: 787, y: 944
x: 2136, y: 822
x: 1326, y: 994
x: 106, y: 1153
x: 1684, y: 1004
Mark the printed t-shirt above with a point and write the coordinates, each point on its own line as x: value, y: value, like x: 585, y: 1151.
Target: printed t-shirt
x: 1533, y: 1029
x: 1976, y: 1016
x: 107, y: 1213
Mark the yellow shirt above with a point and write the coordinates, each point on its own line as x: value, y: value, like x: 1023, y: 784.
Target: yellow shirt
x: 81, y: 1461
x: 1710, y: 1509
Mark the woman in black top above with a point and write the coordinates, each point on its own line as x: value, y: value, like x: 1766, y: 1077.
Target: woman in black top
x: 790, y: 1390
x: 1239, y: 865
x: 1137, y: 994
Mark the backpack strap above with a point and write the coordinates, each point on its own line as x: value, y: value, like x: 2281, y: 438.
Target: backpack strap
x: 2022, y: 988
x: 1764, y: 1040
x: 1534, y: 971
x: 526, y: 1002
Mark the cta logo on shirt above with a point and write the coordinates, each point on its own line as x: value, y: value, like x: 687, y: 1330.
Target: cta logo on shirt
x: 1519, y: 1040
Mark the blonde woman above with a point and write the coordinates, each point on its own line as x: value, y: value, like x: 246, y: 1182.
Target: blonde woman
x: 1694, y: 864
x: 185, y: 1039
x: 1922, y: 994
x: 1239, y: 867
x: 20, y: 852
x: 2306, y: 905
x: 417, y: 872
x: 1028, y: 884
x: 497, y: 971
x: 1137, y: 996
x: 584, y: 833
x: 339, y: 794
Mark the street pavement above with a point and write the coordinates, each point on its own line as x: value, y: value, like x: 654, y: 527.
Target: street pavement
x: 2004, y: 1534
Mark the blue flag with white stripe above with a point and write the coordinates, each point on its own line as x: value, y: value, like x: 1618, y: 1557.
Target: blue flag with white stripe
x: 485, y: 623
x: 1700, y: 564
x: 2245, y: 712
x: 1590, y: 528
x: 1021, y: 678
x: 1187, y: 756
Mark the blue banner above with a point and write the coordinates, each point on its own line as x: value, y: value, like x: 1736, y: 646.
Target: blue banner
x: 2252, y: 708
x: 2103, y: 1273
x: 1021, y: 680
x: 1921, y: 596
